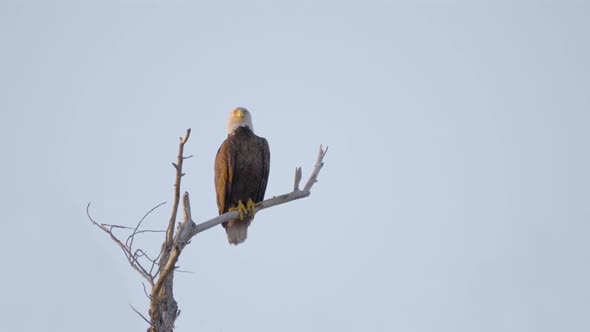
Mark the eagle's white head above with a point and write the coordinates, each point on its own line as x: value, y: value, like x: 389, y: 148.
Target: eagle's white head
x: 239, y: 117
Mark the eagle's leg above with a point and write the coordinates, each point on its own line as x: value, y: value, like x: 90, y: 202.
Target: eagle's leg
x: 251, y: 207
x: 240, y: 208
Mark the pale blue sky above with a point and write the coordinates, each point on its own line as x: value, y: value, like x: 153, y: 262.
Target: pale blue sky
x: 454, y: 196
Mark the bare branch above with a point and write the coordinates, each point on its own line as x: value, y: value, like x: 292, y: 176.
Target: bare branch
x: 178, y: 166
x: 316, y: 171
x: 295, y: 194
x: 187, y: 215
x: 298, y: 175
x: 130, y: 257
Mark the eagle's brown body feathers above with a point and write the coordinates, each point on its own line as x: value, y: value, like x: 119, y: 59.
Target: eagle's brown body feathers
x: 242, y: 165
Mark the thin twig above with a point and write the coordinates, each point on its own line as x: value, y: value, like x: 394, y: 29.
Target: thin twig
x: 132, y: 260
x: 183, y: 271
x: 138, y: 232
x: 145, y: 291
x: 154, y: 263
x: 140, y: 253
x: 150, y: 231
x: 142, y: 316
x: 116, y: 226
x: 131, y: 237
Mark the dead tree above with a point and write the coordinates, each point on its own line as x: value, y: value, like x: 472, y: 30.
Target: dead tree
x: 159, y: 271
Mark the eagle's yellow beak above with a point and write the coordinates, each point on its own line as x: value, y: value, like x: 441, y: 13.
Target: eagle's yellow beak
x: 238, y: 113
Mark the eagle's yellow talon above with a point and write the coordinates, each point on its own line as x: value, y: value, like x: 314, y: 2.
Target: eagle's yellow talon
x: 251, y: 207
x: 241, y: 209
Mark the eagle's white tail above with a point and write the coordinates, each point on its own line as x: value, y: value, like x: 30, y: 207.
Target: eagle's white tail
x: 237, y: 231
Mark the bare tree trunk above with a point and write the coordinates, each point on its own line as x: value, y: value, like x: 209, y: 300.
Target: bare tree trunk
x: 163, y: 308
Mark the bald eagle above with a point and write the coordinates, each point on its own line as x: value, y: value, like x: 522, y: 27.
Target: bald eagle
x: 241, y: 173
